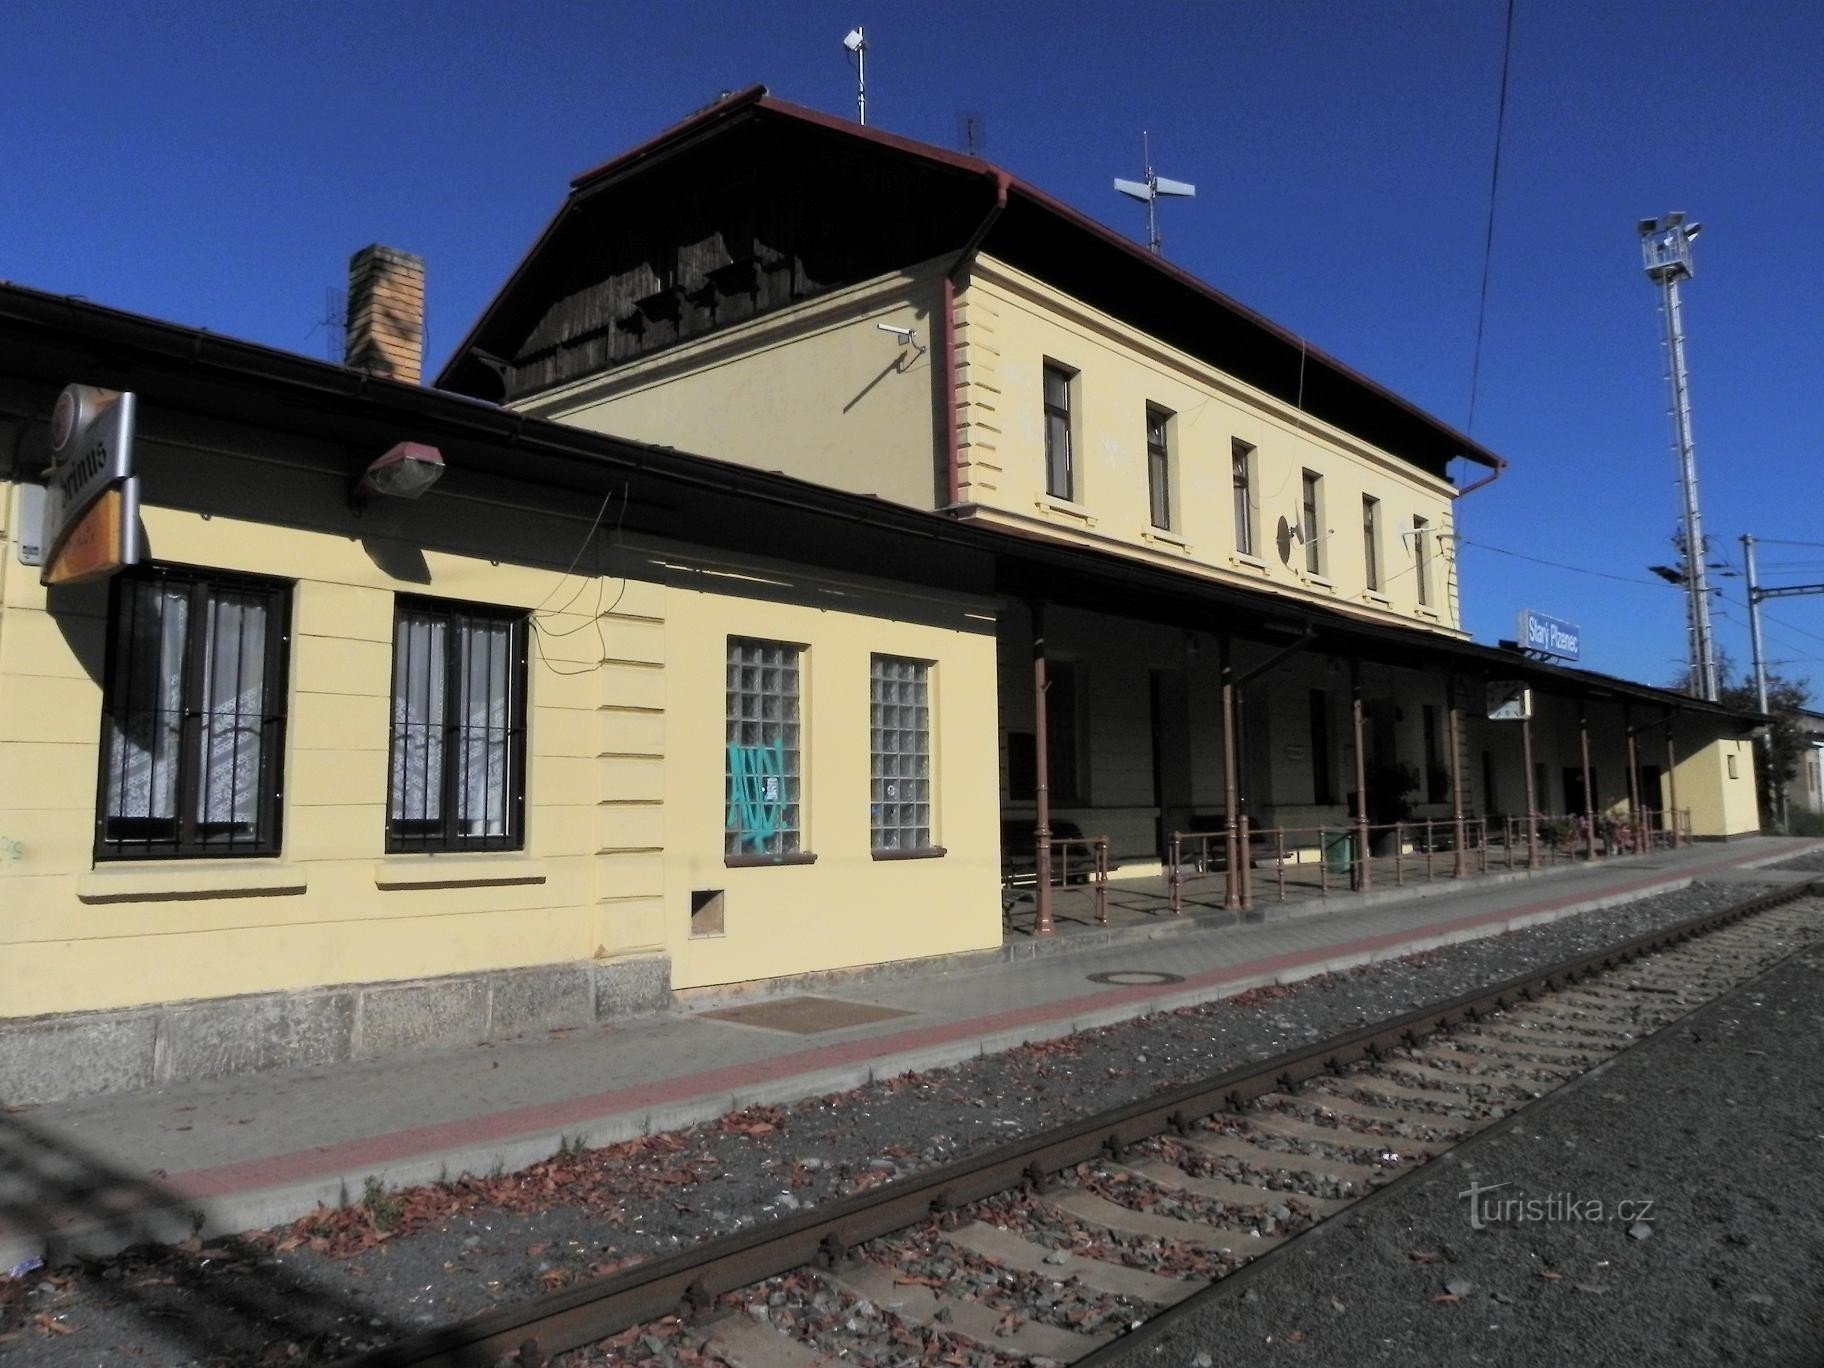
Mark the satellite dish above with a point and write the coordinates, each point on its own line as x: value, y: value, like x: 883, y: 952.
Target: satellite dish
x: 1283, y: 540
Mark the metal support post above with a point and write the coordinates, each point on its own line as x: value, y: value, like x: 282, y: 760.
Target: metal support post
x: 1589, y: 794
x: 1041, y: 775
x: 1532, y: 793
x: 1231, y: 777
x: 1365, y: 875
x: 1460, y: 869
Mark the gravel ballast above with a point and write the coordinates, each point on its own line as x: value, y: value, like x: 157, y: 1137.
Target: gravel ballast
x: 403, y: 1261
x: 1717, y: 1123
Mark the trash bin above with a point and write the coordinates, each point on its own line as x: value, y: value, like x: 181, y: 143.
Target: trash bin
x: 1339, y: 852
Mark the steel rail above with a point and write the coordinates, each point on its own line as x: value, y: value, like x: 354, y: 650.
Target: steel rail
x: 689, y: 1281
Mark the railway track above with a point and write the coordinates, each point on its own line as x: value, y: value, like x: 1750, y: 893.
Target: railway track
x: 1057, y: 1248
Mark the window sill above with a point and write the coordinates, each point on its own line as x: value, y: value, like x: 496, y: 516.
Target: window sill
x: 802, y: 857
x: 456, y: 870
x: 922, y: 853
x: 163, y: 880
x: 1376, y: 597
x: 1251, y: 562
x: 1166, y: 536
x: 1070, y: 508
x: 1321, y: 581
x: 1431, y: 613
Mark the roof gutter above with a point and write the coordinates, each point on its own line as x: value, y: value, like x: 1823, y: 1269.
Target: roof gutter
x: 953, y: 475
x: 1488, y: 479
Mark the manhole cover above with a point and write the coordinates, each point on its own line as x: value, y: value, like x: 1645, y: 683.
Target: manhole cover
x: 1133, y: 978
x: 806, y: 1015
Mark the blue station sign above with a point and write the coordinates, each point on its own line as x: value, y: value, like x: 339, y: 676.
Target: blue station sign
x: 1549, y: 635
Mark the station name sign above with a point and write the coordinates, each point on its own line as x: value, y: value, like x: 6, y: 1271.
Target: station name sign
x: 91, y: 499
x: 1549, y: 635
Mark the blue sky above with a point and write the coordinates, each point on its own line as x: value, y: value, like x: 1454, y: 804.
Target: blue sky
x: 216, y: 164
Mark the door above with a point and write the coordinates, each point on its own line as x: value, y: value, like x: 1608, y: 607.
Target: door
x: 1171, y: 727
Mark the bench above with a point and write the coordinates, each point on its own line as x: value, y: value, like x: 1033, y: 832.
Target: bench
x: 1203, y: 824
x: 1070, y: 864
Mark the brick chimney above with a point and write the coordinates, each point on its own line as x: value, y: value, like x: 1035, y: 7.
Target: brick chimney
x: 386, y: 313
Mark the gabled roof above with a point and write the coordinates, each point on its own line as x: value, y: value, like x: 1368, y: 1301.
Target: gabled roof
x: 1037, y: 233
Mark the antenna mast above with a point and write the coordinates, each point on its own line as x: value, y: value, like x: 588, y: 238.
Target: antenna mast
x: 1665, y: 247
x: 855, y: 43
x: 1149, y: 190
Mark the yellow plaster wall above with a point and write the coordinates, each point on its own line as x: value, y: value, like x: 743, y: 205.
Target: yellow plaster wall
x: 1720, y: 805
x: 1009, y: 324
x: 847, y: 908
x: 816, y: 391
x: 334, y: 908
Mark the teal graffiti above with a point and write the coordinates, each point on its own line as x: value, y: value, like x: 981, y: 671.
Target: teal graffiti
x: 756, y: 792
x: 11, y: 850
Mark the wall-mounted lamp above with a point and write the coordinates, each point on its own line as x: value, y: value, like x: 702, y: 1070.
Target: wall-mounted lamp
x: 404, y: 472
x: 907, y: 337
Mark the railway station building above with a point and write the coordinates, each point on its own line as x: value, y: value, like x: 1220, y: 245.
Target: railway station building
x: 816, y: 527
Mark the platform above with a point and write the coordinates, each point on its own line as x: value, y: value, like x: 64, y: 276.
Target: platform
x: 98, y: 1173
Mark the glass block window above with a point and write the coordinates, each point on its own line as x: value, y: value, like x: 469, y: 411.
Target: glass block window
x: 193, y: 728
x: 899, y: 775
x: 457, y: 774
x: 764, y: 749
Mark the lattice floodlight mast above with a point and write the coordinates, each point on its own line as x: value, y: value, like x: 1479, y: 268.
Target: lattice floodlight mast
x: 1149, y: 190
x: 1665, y: 247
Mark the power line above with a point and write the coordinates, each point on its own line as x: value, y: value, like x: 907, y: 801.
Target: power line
x: 1488, y: 242
x: 1560, y: 565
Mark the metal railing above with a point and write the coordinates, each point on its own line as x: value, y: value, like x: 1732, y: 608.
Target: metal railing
x: 1407, y: 851
x: 1093, y: 867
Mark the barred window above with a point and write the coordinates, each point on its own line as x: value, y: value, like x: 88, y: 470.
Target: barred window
x: 765, y: 785
x: 899, y: 719
x: 193, y: 730
x: 457, y: 779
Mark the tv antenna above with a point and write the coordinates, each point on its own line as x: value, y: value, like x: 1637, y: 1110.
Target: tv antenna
x: 855, y: 43
x: 334, y: 324
x: 1150, y: 191
x: 971, y: 135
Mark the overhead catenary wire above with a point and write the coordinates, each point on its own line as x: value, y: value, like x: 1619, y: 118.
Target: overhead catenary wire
x: 1488, y: 243
x: 1560, y: 565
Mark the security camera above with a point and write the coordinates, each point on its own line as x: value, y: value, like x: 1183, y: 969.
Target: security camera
x: 906, y: 336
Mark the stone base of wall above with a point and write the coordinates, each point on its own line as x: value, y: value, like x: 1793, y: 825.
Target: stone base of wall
x: 53, y: 1058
